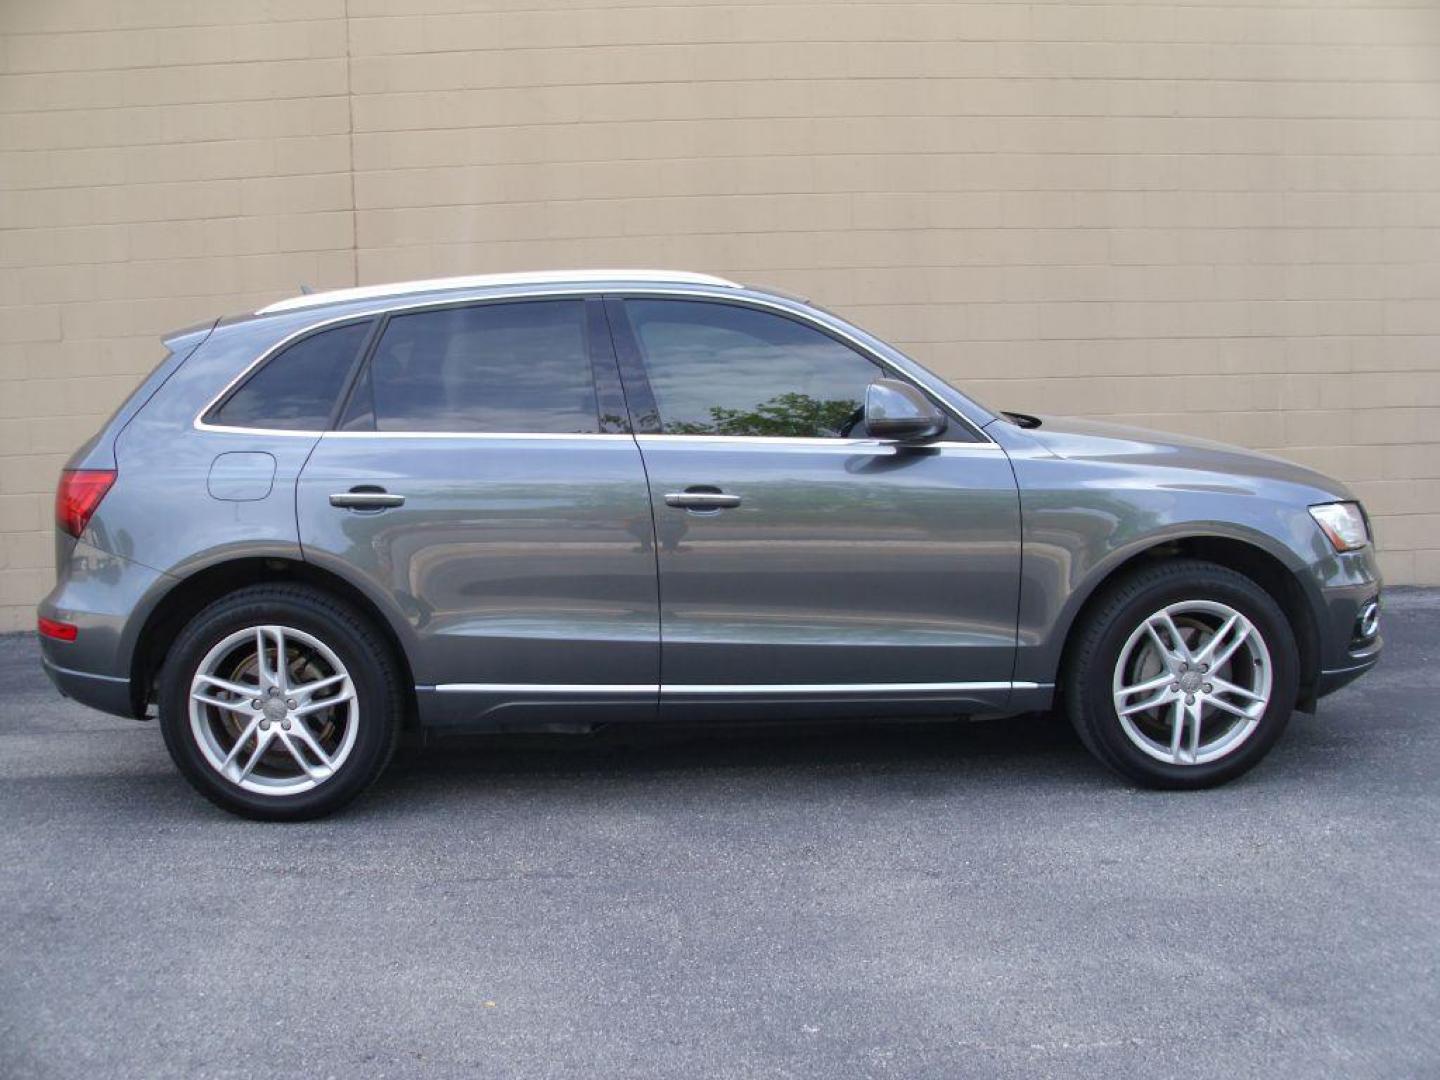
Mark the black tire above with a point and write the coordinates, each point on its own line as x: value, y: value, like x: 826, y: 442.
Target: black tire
x: 349, y: 635
x: 1107, y: 625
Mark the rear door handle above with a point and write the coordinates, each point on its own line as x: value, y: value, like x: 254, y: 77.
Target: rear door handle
x: 701, y: 500
x: 366, y: 498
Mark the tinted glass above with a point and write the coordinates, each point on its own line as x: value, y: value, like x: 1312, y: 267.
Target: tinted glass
x: 296, y: 389
x: 719, y: 369
x: 493, y: 367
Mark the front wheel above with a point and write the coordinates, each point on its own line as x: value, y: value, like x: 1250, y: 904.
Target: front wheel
x: 279, y: 703
x: 1183, y: 676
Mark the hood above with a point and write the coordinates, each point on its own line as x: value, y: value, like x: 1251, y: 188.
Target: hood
x: 1093, y: 440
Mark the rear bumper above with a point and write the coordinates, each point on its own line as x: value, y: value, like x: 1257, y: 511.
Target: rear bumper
x: 108, y: 693
x: 100, y: 595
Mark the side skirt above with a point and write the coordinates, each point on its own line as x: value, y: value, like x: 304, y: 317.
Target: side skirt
x: 518, y: 706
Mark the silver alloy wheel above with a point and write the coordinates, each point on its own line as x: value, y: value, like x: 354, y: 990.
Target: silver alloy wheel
x: 273, y: 710
x: 1192, y: 682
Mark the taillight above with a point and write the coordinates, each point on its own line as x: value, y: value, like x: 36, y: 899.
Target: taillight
x: 78, y: 496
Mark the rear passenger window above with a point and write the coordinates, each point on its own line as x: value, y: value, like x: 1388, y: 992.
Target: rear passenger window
x: 520, y: 367
x: 296, y: 390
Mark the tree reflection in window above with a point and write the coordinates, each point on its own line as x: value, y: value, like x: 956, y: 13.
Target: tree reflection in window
x: 788, y: 415
x: 729, y: 369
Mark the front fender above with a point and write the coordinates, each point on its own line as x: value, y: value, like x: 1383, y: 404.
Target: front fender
x: 1051, y: 599
x: 1082, y: 519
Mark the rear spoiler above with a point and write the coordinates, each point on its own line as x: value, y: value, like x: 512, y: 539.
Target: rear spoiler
x: 169, y: 340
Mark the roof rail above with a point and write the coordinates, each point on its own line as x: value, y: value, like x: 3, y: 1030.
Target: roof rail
x: 480, y: 281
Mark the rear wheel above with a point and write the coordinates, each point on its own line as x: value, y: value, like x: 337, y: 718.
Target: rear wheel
x: 1183, y: 676
x: 280, y: 703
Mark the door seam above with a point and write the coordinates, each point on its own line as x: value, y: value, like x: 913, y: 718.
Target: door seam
x: 650, y: 500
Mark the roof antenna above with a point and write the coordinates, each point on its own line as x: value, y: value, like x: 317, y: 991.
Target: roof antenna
x: 305, y: 290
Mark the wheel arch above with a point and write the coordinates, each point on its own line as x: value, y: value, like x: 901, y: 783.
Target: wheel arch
x: 187, y: 596
x: 1253, y: 560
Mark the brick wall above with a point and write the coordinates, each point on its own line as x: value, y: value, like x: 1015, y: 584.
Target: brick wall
x: 1212, y: 218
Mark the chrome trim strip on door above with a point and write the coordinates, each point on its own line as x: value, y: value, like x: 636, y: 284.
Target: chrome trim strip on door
x: 843, y: 688
x: 749, y: 688
x: 545, y: 688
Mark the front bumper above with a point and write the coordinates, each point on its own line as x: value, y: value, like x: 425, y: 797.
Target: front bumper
x: 1350, y: 643
x: 1333, y: 679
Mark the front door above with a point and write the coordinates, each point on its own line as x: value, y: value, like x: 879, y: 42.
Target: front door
x: 484, y: 483
x: 800, y: 563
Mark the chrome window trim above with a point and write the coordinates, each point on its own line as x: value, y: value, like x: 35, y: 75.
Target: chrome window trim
x: 552, y: 436
x: 811, y: 442
x: 723, y: 689
x: 199, y: 423
x: 581, y: 292
x: 228, y: 430
x: 772, y: 441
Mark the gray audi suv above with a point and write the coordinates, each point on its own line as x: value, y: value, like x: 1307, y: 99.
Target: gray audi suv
x: 492, y: 503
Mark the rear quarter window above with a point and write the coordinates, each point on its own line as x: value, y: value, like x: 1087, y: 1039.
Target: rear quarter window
x: 296, y: 389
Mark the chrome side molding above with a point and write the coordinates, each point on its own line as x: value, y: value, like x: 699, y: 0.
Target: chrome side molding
x: 722, y: 689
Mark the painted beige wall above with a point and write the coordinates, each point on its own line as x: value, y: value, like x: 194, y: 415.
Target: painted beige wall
x: 1221, y: 219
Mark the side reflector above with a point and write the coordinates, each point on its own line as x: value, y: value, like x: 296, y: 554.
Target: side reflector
x: 60, y: 631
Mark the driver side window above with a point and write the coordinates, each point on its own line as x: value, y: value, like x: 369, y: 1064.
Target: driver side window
x: 724, y: 369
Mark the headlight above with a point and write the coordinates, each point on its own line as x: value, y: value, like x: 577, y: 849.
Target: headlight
x: 1343, y: 524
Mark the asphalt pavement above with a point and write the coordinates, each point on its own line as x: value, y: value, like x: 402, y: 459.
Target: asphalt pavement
x: 891, y: 900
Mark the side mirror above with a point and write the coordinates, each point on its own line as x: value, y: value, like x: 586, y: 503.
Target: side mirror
x: 896, y: 410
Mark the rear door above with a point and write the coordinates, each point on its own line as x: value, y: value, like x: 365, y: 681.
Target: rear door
x: 800, y: 561
x: 483, y: 479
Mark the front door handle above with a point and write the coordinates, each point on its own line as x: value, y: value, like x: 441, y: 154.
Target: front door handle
x: 366, y: 497
x: 701, y: 499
